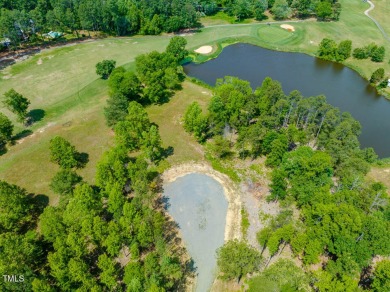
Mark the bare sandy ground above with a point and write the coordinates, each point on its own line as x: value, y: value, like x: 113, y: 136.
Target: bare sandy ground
x: 232, y: 194
x: 204, y: 50
x: 288, y: 27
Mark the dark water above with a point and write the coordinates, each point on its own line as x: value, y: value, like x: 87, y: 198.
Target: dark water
x: 342, y: 86
x: 198, y: 204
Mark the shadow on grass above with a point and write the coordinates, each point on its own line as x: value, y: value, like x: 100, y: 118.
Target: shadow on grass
x: 22, y: 134
x: 36, y: 115
x: 169, y: 151
x: 7, y: 62
x: 82, y: 158
x: 3, y: 149
x: 38, y: 204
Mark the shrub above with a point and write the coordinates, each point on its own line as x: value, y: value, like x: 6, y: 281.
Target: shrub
x: 360, y: 53
x: 377, y: 75
x: 378, y: 54
x: 344, y: 50
x: 327, y: 49
x: 105, y: 67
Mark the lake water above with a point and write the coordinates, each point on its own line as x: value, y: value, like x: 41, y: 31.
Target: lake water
x: 342, y: 86
x: 198, y: 204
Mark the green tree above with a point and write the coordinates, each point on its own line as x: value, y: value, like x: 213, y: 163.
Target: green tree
x: 328, y: 48
x: 15, y: 207
x: 360, y: 53
x: 259, y: 7
x: 281, y: 9
x: 283, y: 275
x: 278, y: 185
x: 344, y: 50
x: 156, y: 71
x: 104, y: 68
x: 63, y: 153
x: 152, y: 144
x: 116, y: 109
x: 236, y: 259
x: 17, y: 104
x: 6, y: 129
x: 220, y: 147
x: 242, y: 9
x: 129, y: 132
x: 21, y: 254
x: 64, y: 181
x: 378, y: 55
x: 303, y: 7
x: 111, y: 167
x: 195, y: 121
x: 176, y: 47
x: 324, y: 10
x: 125, y: 83
x: 377, y: 75
x: 279, y: 148
x: 381, y: 277
x: 108, y: 275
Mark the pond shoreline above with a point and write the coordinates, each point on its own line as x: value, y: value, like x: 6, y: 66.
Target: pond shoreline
x: 231, y: 192
x: 221, y: 45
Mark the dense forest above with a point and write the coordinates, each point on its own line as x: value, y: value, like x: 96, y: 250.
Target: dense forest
x: 27, y: 21
x: 318, y: 169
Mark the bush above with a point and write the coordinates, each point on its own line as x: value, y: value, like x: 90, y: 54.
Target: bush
x: 360, y: 53
x: 64, y: 181
x: 327, y: 49
x: 105, y: 67
x: 344, y: 50
x: 377, y: 75
x: 378, y: 54
x: 383, y: 84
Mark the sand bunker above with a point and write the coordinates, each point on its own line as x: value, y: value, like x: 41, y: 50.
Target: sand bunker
x: 204, y: 50
x: 288, y: 27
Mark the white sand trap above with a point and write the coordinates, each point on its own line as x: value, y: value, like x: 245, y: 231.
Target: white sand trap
x: 204, y: 50
x: 288, y: 27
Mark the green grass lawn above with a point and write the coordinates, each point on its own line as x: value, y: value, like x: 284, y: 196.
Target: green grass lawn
x: 63, y: 83
x: 381, y: 13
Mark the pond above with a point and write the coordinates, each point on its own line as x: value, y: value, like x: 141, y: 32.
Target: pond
x: 198, y: 204
x: 342, y: 86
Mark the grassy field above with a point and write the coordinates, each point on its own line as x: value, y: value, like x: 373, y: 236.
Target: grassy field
x: 169, y: 118
x: 62, y: 82
x: 381, y: 14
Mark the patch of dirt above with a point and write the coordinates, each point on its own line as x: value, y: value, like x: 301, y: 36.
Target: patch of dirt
x: 40, y: 130
x: 39, y: 62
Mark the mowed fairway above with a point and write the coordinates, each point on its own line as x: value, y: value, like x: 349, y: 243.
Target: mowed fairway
x: 63, y: 83
x: 381, y: 13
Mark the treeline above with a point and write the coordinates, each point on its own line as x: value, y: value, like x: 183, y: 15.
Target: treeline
x: 27, y: 21
x: 112, y: 236
x: 22, y: 21
x: 318, y: 167
x: 328, y: 49
x: 282, y: 9
x: 269, y: 122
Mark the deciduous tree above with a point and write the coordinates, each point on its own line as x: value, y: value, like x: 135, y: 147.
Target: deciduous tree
x: 17, y: 104
x: 236, y: 259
